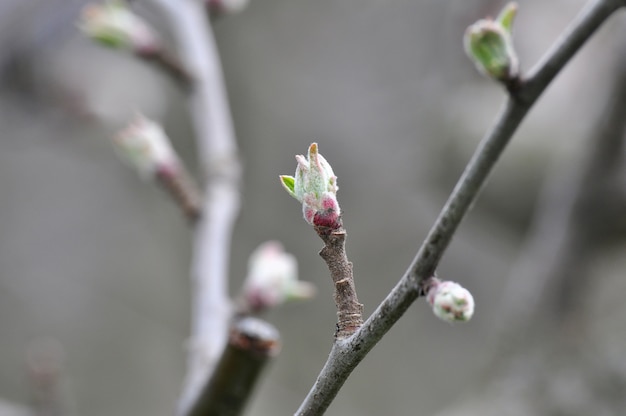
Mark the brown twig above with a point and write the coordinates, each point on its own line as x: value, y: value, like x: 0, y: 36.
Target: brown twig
x: 173, y: 67
x: 349, y: 310
x: 183, y: 189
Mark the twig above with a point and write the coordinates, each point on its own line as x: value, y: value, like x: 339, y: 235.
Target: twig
x: 346, y: 354
x: 349, y: 310
x: 218, y: 154
x: 252, y: 343
x: 167, y: 62
x: 183, y: 190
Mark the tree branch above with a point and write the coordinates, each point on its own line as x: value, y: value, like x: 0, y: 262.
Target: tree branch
x: 170, y: 65
x: 349, y: 310
x: 346, y: 354
x: 217, y: 146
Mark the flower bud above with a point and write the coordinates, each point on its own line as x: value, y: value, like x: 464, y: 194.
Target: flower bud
x: 273, y: 279
x: 114, y: 24
x: 450, y: 301
x: 144, y: 145
x: 315, y: 186
x: 489, y: 44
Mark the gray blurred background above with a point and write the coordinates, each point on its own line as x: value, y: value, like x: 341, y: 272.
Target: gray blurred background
x: 98, y: 260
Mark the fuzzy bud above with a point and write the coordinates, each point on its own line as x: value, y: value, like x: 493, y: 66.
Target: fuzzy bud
x: 489, y: 44
x: 273, y: 279
x: 146, y: 147
x: 114, y: 24
x: 315, y: 186
x: 450, y: 301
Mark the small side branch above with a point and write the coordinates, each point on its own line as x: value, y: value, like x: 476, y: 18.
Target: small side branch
x: 170, y: 65
x: 183, y: 190
x: 349, y: 310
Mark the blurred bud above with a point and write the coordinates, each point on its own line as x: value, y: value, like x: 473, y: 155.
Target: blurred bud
x: 315, y: 186
x: 273, y: 278
x: 221, y: 7
x: 114, y: 24
x: 489, y: 44
x: 450, y: 301
x: 144, y: 145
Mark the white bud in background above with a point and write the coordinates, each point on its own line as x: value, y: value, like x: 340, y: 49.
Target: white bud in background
x: 114, y: 24
x: 146, y: 147
x: 273, y: 279
x: 450, y: 301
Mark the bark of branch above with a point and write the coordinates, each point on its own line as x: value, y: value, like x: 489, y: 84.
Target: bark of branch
x: 347, y: 354
x: 349, y: 310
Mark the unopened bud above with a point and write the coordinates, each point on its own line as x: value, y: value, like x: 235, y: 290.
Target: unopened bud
x: 273, y: 279
x: 450, y: 301
x: 146, y: 147
x: 114, y: 24
x: 489, y: 44
x: 315, y: 186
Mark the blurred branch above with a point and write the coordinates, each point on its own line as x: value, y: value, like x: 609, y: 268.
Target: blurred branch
x: 170, y: 65
x: 11, y: 409
x: 217, y: 146
x: 183, y: 191
x: 346, y: 354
